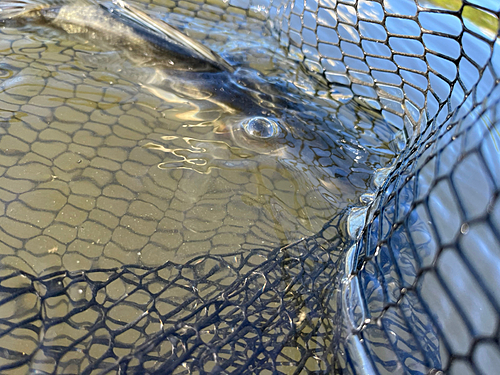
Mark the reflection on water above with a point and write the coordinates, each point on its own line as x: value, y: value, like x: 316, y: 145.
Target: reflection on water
x: 106, y: 163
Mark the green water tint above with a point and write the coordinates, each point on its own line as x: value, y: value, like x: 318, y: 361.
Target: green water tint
x: 99, y: 169
x: 475, y: 19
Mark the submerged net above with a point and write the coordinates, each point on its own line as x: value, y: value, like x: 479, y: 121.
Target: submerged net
x: 407, y: 283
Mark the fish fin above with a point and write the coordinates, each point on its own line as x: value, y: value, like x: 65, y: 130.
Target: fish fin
x: 126, y: 11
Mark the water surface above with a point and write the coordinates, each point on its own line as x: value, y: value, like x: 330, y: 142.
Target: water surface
x: 102, y: 166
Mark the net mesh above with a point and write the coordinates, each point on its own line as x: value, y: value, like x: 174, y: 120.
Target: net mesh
x: 415, y: 292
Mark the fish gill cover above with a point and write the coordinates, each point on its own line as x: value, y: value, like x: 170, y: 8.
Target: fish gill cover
x: 99, y: 275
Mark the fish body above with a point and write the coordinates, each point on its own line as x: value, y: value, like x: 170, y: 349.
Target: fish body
x: 177, y: 59
x: 119, y: 24
x: 183, y: 65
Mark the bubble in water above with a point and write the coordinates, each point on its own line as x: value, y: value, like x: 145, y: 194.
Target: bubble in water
x: 261, y: 127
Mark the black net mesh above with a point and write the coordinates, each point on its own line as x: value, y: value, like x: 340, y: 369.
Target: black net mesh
x: 407, y: 284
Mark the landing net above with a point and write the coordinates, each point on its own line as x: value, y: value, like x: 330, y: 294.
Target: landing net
x: 407, y: 284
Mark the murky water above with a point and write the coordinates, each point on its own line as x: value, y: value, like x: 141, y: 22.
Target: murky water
x: 102, y: 166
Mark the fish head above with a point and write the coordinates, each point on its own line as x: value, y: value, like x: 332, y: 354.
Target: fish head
x: 272, y: 119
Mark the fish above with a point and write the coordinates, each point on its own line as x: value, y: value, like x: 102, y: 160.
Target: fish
x: 121, y: 24
x: 176, y: 58
x: 256, y: 110
x: 262, y: 116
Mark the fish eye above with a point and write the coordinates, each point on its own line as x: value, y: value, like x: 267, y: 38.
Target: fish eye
x: 261, y: 128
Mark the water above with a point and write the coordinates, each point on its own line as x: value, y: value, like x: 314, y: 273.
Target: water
x: 102, y: 167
